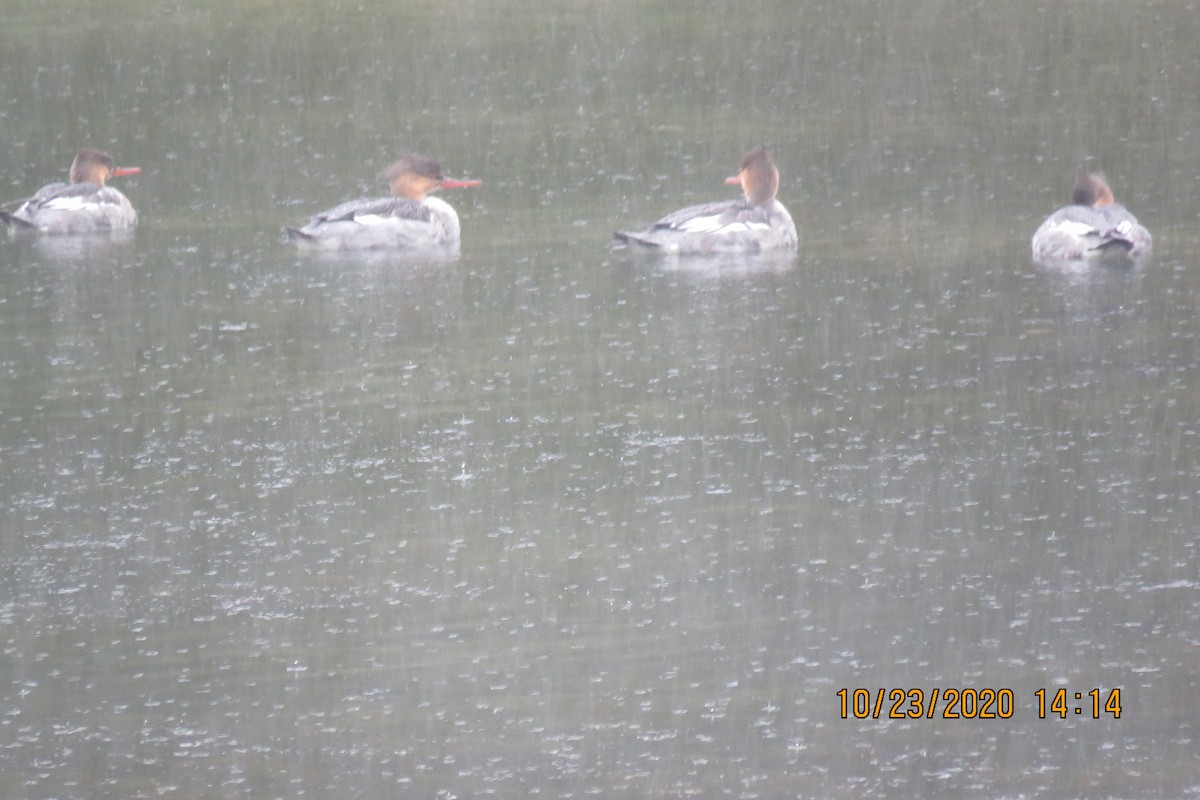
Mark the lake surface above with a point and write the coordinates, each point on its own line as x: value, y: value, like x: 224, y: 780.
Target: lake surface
x: 546, y: 520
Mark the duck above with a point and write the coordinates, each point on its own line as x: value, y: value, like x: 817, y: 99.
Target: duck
x: 85, y: 204
x: 410, y: 219
x: 1095, y: 229
x: 753, y: 223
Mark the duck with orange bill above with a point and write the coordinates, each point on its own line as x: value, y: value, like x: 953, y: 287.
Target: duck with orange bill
x: 1095, y: 229
x: 753, y: 223
x: 411, y: 219
x: 85, y: 204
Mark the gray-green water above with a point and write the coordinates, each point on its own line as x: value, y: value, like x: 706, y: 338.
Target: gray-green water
x: 544, y: 521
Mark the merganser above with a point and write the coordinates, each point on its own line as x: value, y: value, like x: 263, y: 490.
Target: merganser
x: 83, y: 205
x: 752, y: 224
x: 1095, y: 230
x: 410, y: 218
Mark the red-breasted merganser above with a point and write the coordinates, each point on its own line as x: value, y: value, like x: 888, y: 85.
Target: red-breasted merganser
x: 755, y: 223
x: 410, y: 218
x: 83, y: 205
x: 1095, y: 230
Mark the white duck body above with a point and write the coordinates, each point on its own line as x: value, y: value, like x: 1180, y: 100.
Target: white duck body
x: 733, y: 226
x: 1086, y: 234
x: 383, y: 223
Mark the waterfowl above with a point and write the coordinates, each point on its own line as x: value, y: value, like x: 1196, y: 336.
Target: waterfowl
x: 1094, y: 229
x: 84, y: 204
x: 410, y: 219
x: 753, y: 223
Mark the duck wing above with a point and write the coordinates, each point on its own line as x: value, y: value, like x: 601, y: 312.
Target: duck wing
x: 367, y: 211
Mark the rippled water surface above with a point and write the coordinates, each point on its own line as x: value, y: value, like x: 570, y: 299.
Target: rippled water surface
x: 547, y: 520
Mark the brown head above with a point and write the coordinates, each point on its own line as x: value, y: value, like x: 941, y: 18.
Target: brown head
x: 758, y: 177
x: 1091, y: 189
x: 416, y: 176
x: 96, y: 166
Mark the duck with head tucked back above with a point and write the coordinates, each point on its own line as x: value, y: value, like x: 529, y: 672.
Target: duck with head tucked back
x: 83, y: 205
x: 410, y: 219
x: 1095, y: 229
x: 756, y: 222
